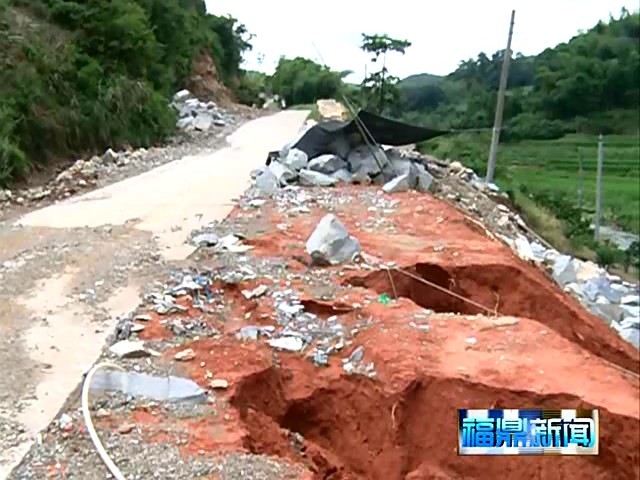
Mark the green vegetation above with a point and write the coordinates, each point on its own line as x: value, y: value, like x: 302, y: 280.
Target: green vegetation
x: 78, y: 76
x: 556, y: 105
x: 302, y: 81
x: 379, y: 89
x: 542, y: 177
x: 587, y: 85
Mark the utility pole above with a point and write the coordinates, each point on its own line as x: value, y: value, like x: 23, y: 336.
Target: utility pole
x: 596, y: 229
x: 497, y: 123
x: 580, y: 180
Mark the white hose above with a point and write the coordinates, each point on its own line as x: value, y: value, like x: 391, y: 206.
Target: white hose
x: 111, y: 466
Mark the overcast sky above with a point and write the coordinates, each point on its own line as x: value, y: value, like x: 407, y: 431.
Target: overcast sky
x: 442, y: 32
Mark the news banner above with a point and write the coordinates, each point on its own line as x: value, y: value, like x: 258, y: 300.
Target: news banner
x: 528, y: 432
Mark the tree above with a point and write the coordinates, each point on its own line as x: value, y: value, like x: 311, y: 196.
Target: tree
x: 302, y: 81
x: 380, y: 88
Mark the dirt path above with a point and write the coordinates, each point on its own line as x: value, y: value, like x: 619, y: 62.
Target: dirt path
x: 69, y: 270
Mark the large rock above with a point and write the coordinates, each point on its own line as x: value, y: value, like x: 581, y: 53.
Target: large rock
x: 588, y: 270
x: 361, y: 160
x: 424, y: 180
x: 343, y: 175
x: 523, y: 248
x: 565, y: 270
x: 327, y: 164
x: 330, y: 243
x: 296, y: 159
x: 610, y: 313
x: 398, y: 184
x: 601, y: 286
x: 182, y: 96
x: 203, y: 122
x: 360, y: 178
x: 267, y: 182
x: 282, y: 173
x: 309, y: 178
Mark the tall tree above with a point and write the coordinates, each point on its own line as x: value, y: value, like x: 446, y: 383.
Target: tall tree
x: 380, y: 87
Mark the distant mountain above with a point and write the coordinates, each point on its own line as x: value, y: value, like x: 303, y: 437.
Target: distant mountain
x: 420, y: 80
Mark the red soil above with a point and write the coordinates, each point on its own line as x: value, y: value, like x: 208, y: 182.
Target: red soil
x: 402, y: 425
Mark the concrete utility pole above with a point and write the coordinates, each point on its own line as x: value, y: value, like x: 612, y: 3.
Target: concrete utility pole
x: 497, y: 123
x: 580, y: 180
x: 596, y: 229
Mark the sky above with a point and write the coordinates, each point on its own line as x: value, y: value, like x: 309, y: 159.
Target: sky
x: 442, y: 32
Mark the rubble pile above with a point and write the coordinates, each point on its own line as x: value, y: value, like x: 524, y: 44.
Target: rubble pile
x: 194, y: 115
x: 616, y: 301
x: 363, y: 164
x: 402, y: 169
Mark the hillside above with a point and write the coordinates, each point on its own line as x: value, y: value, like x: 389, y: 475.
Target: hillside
x: 78, y: 77
x: 587, y: 85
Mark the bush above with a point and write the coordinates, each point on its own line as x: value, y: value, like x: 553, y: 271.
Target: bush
x: 301, y: 81
x: 532, y: 126
x: 605, y: 256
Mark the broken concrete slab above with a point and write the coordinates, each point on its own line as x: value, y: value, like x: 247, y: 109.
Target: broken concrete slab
x: 327, y: 164
x: 309, y: 178
x: 330, y: 243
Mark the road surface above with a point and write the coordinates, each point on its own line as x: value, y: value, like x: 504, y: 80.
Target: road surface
x: 69, y: 270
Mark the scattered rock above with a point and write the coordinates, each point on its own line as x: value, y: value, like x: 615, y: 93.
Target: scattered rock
x: 206, y: 239
x: 102, y: 413
x: 110, y: 156
x: 398, y: 184
x: 330, y: 243
x: 282, y: 173
x: 185, y: 355
x: 130, y: 349
x: 219, y: 384
x: 343, y: 175
x: 256, y: 292
x: 291, y: 344
x: 267, y: 182
x: 310, y: 178
x: 203, y: 122
x: 126, y: 428
x: 327, y: 164
x: 296, y: 159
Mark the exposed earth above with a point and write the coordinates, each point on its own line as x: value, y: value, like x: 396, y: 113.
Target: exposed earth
x: 403, y: 355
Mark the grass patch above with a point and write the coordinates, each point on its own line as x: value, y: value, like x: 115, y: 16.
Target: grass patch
x: 314, y: 113
x: 543, y: 181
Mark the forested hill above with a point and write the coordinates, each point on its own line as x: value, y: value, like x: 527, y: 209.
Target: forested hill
x: 589, y: 84
x: 77, y: 76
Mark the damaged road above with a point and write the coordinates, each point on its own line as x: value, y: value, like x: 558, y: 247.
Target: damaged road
x: 330, y: 332
x: 70, y: 271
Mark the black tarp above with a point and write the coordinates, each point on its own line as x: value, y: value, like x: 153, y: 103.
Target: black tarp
x: 339, y: 138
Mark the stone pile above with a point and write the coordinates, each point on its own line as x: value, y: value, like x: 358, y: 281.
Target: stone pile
x: 194, y: 115
x: 363, y: 164
x: 616, y: 301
